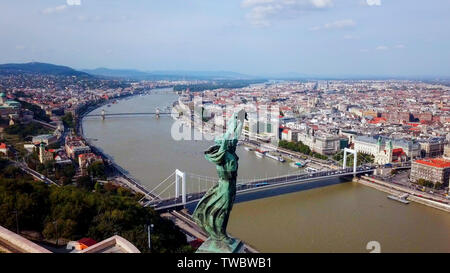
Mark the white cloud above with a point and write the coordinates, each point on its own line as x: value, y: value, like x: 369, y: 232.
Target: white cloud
x: 373, y: 2
x: 70, y: 3
x: 262, y: 12
x: 251, y: 3
x: 340, y: 24
x: 74, y: 2
x: 259, y: 14
x: 400, y: 46
x: 322, y: 3
x: 54, y: 9
x: 382, y: 47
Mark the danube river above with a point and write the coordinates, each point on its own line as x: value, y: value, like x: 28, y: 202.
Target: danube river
x: 341, y: 217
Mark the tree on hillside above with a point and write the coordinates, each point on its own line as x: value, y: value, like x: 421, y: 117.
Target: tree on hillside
x: 73, y: 213
x: 68, y: 120
x: 97, y: 169
x: 85, y: 182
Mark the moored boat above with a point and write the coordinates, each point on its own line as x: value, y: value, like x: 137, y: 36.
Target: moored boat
x: 298, y: 164
x: 401, y: 198
x: 278, y: 158
x: 259, y: 153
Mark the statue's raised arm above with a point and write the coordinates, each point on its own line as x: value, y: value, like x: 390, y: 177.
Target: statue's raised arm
x: 234, y: 126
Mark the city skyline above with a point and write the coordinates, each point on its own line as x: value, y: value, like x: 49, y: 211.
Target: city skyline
x: 256, y: 37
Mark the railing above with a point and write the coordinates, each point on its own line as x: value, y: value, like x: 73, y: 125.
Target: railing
x: 128, y: 114
x: 256, y: 184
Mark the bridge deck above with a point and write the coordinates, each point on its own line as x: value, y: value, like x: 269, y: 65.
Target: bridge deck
x: 259, y: 185
x: 128, y: 114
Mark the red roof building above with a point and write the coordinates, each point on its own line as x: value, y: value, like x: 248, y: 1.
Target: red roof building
x: 436, y: 170
x: 377, y: 120
x: 3, y: 148
x: 435, y: 162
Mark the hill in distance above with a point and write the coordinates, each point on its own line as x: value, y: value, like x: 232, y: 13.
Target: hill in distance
x: 40, y: 68
x: 168, y: 75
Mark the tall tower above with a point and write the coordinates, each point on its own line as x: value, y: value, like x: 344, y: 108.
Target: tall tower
x: 41, y: 152
x: 2, y: 98
x: 379, y: 143
x: 389, y: 150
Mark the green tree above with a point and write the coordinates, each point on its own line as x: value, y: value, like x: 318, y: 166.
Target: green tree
x: 69, y: 171
x: 98, y: 187
x: 26, y: 130
x: 97, y: 169
x: 85, y: 182
x: 68, y: 120
x: 72, y: 213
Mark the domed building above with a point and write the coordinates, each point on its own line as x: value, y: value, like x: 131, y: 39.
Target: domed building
x: 8, y: 107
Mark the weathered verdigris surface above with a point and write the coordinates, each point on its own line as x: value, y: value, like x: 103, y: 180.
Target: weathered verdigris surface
x: 214, y: 208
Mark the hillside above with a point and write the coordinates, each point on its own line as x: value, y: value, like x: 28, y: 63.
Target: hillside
x: 40, y: 68
x: 168, y: 75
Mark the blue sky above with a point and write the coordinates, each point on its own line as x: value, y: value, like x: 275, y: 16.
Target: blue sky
x: 313, y: 37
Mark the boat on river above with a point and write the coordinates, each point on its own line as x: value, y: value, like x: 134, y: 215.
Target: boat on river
x: 298, y: 164
x: 259, y: 153
x: 277, y: 158
x: 399, y: 198
x: 311, y: 170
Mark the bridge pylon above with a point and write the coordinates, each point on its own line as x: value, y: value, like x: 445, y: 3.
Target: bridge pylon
x: 180, y: 180
x: 355, y: 159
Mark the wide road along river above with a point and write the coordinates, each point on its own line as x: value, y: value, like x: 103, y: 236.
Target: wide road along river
x: 342, y: 217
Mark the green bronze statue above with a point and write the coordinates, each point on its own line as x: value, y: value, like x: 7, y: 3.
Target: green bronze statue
x: 214, y: 208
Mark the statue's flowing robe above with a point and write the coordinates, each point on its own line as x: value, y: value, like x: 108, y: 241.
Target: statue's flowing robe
x: 214, y: 208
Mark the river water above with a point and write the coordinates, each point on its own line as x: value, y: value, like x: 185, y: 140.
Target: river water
x: 341, y: 217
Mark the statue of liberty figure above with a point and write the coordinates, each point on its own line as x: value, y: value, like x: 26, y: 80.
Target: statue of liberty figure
x: 214, y: 208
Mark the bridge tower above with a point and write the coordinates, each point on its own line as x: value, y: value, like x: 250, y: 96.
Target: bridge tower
x: 355, y: 159
x: 180, y: 180
x: 103, y: 114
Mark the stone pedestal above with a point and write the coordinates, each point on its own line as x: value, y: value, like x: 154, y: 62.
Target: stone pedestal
x: 214, y: 246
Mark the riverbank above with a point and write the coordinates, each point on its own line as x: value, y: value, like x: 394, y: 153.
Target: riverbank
x: 397, y: 190
x: 81, y: 112
x: 117, y: 174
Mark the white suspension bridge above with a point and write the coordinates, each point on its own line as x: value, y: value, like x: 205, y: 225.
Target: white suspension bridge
x: 181, y: 188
